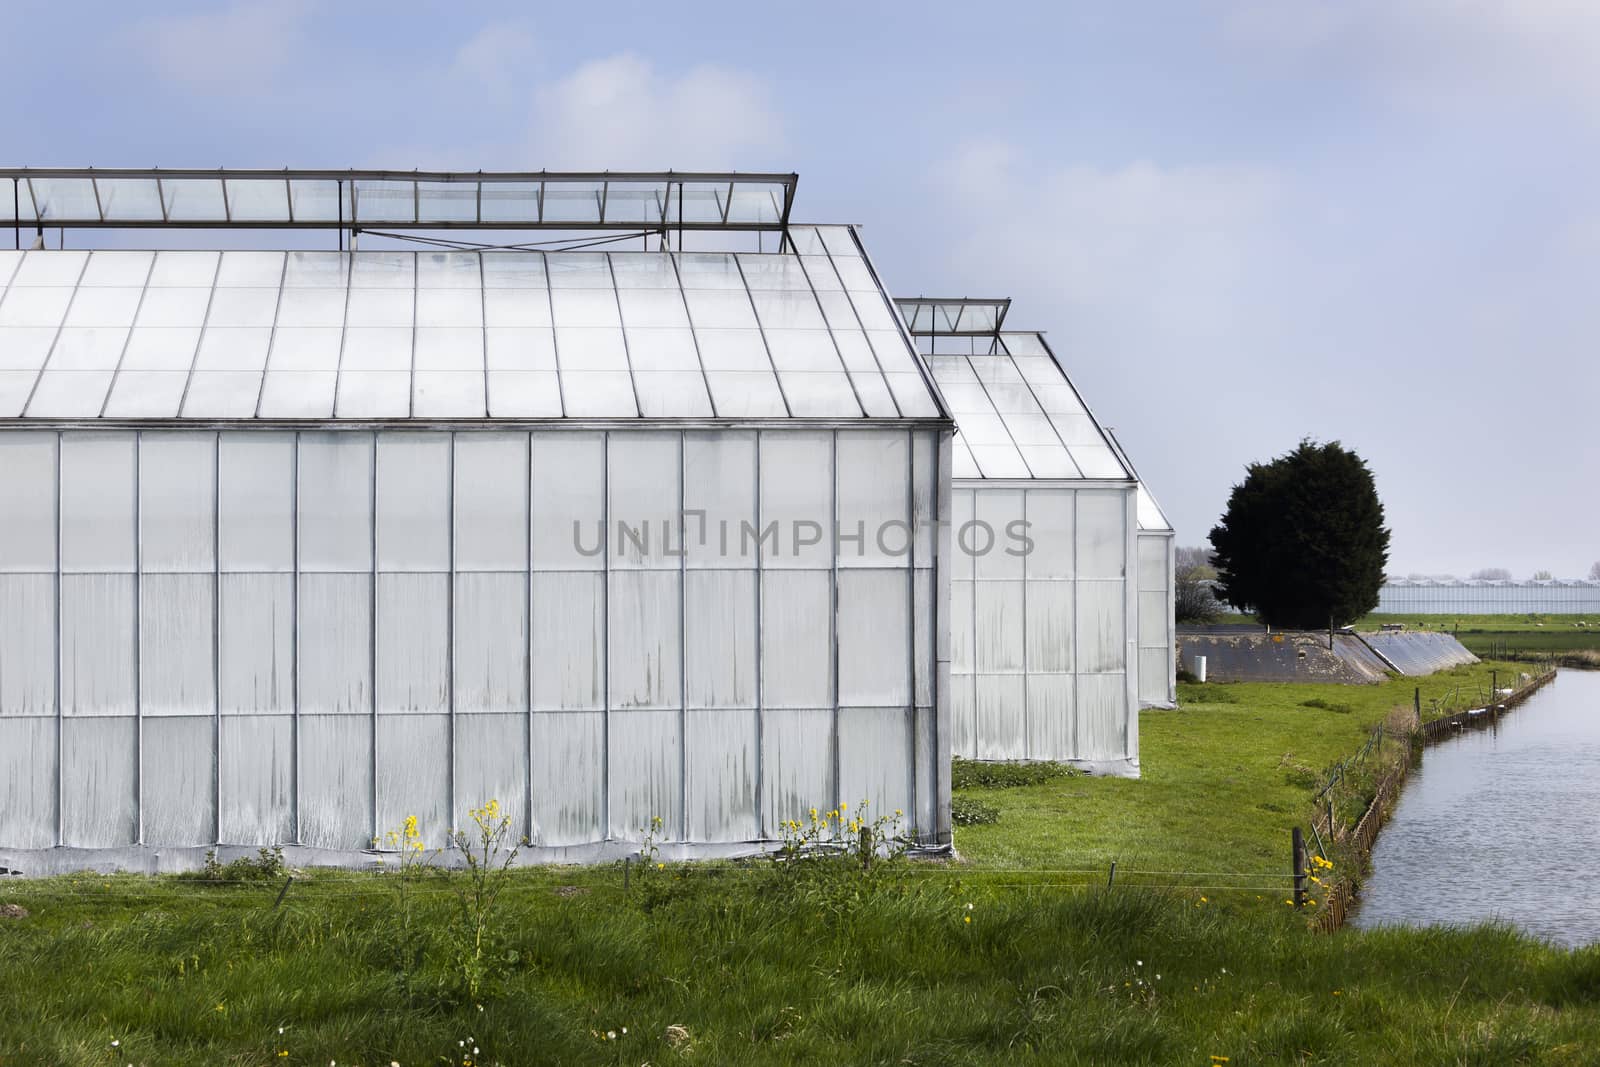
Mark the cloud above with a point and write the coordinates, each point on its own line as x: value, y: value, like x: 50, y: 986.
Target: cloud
x: 236, y: 49
x: 1435, y: 51
x: 1165, y: 250
x: 621, y: 113
x: 496, y: 55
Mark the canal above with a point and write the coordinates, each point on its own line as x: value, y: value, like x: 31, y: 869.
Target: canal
x: 1502, y: 824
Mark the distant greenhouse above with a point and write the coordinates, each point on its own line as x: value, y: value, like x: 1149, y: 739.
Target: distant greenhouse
x: 1455, y: 596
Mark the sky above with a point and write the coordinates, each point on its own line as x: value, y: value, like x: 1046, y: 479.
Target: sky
x: 1239, y: 223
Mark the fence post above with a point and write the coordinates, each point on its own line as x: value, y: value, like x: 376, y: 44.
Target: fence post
x: 1111, y: 878
x: 1297, y: 843
x: 627, y: 863
x: 1416, y: 704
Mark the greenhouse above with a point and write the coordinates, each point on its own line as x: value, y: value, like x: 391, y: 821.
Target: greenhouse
x: 1045, y: 588
x: 1455, y: 596
x: 1158, y: 630
x: 300, y: 542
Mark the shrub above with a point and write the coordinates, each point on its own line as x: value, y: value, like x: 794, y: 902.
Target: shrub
x: 967, y: 811
x: 976, y: 774
x: 265, y: 866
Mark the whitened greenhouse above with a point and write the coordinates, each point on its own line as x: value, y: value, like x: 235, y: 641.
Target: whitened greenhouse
x: 300, y: 542
x: 1045, y: 595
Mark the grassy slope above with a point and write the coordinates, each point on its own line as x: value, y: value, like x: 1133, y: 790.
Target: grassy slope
x: 1218, y: 790
x: 831, y: 970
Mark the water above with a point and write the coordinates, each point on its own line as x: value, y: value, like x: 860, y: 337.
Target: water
x: 1501, y: 824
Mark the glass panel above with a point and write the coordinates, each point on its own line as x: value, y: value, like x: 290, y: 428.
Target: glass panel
x: 839, y: 312
x: 80, y: 348
x: 449, y: 270
x: 696, y: 202
x: 449, y: 394
x: 709, y: 270
x: 161, y: 348
x: 305, y: 350
x: 239, y: 348
x: 513, y: 270
x: 26, y: 347
x: 875, y: 314
x: 1048, y: 461
x: 146, y: 394
x: 873, y: 392
x: 855, y: 275
x: 1024, y: 344
x: 672, y: 394
x: 807, y: 241
x: 10, y: 260
x: 713, y: 309
x: 242, y: 307
x: 222, y: 395
x: 66, y: 198
x: 823, y: 277
x: 855, y: 351
x: 50, y: 268
x: 999, y: 461
x: 597, y: 394
x: 104, y: 307
x: 1031, y: 429
x: 816, y: 395
x: 449, y: 348
x: 374, y: 307
x: 652, y: 307
x: 774, y: 272
x: 130, y: 199
x: 756, y: 203
x: 524, y: 394
x: 373, y: 395
x: 383, y: 270
x: 839, y: 240
x: 746, y: 394
x: 520, y: 349
x: 114, y: 268
x: 894, y: 355
x: 578, y: 270
x: 374, y: 348
x: 788, y: 310
x: 740, y: 350
x: 962, y: 464
x: 319, y: 200
x: 447, y: 201
x: 191, y: 199
x: 251, y: 269
x: 585, y: 307
x: 69, y: 394
x: 912, y: 394
x: 644, y: 270
x: 34, y: 307
x: 510, y: 202
x: 378, y: 200
x: 185, y: 269
x: 1078, y: 430
x: 449, y: 307
x: 317, y: 269
x: 571, y: 203
x: 311, y: 307
x: 591, y: 349
x: 258, y: 199
x: 1097, y: 461
x: 643, y: 205
x: 662, y: 349
x: 173, y: 307
x: 803, y: 350
x: 516, y: 307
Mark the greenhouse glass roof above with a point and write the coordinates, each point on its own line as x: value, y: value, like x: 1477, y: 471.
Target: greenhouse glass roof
x: 364, y: 199
x: 1017, y: 414
x: 954, y: 318
x: 807, y: 333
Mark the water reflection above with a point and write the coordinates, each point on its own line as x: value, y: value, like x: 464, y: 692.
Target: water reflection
x: 1501, y: 824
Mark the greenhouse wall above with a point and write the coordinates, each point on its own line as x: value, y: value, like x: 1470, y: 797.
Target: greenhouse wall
x: 1045, y: 638
x: 1158, y: 638
x: 300, y: 635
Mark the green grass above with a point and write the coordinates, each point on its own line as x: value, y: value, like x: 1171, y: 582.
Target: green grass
x: 1223, y: 779
x: 728, y: 964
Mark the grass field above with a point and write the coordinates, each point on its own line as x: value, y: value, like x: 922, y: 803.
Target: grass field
x: 909, y: 963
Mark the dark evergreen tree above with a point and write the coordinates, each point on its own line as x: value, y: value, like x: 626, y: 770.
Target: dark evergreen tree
x: 1302, y: 543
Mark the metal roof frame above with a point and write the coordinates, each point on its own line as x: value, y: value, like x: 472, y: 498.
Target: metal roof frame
x: 343, y: 209
x: 910, y: 306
